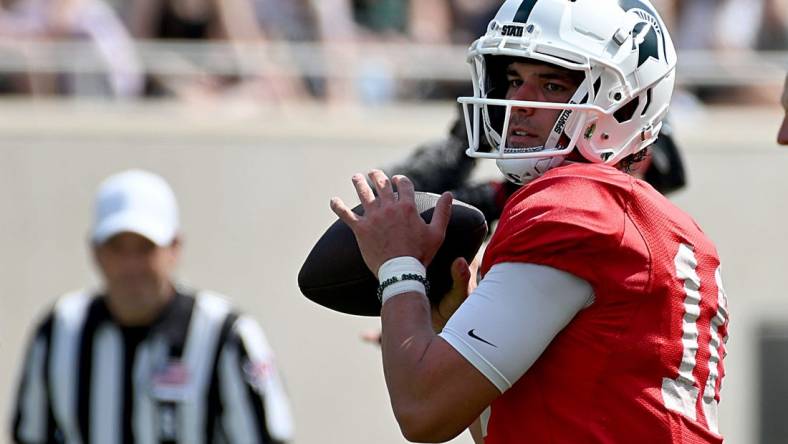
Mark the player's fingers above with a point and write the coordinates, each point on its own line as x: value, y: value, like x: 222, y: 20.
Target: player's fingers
x: 405, y: 188
x: 440, y: 218
x: 343, y: 212
x: 382, y: 185
x: 365, y: 194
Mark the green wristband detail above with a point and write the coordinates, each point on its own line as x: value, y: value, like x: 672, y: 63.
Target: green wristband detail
x: 404, y: 277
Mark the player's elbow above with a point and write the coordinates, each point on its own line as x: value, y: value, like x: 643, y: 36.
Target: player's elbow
x: 422, y: 424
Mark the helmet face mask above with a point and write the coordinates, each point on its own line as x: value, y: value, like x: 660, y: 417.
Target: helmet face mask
x: 621, y: 50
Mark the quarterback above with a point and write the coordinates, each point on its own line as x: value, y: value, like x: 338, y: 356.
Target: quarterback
x: 601, y: 315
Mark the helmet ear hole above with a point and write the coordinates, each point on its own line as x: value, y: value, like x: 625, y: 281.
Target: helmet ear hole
x: 597, y: 85
x: 627, y: 112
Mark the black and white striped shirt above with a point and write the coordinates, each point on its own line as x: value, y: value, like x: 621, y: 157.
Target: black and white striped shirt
x: 200, y: 374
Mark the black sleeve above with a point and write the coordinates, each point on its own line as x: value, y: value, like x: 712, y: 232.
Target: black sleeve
x: 488, y: 197
x: 442, y: 165
x: 33, y: 420
x: 666, y: 171
x: 436, y: 166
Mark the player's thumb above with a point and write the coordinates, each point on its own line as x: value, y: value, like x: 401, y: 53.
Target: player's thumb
x: 451, y: 301
x: 460, y: 274
x: 460, y: 277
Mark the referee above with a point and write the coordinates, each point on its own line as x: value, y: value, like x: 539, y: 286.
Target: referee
x: 144, y: 360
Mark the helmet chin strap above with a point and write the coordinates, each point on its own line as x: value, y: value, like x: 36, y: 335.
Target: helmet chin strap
x: 522, y: 171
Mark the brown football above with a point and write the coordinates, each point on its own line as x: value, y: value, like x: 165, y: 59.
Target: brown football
x: 334, y: 274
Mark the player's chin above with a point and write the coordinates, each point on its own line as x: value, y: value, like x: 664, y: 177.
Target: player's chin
x: 523, y: 142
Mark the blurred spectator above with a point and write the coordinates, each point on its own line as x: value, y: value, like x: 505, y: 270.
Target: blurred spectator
x: 241, y: 22
x: 423, y: 21
x: 773, y: 33
x: 470, y: 18
x: 345, y: 23
x: 738, y: 28
x: 753, y: 25
x: 72, y: 20
x: 295, y: 22
x: 688, y: 14
x: 339, y: 68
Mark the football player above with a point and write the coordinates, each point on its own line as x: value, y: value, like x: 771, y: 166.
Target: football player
x: 601, y: 315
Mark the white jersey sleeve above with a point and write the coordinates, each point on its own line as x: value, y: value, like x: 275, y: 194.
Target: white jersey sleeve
x: 512, y: 316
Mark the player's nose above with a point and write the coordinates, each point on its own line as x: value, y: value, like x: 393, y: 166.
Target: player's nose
x: 525, y: 93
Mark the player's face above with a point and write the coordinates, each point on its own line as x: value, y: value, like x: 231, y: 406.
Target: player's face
x: 530, y: 127
x: 782, y: 136
x: 136, y: 271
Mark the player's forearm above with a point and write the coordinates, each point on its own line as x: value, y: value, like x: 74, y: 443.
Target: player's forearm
x: 417, y: 381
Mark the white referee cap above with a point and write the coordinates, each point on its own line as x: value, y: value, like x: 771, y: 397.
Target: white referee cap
x: 139, y: 202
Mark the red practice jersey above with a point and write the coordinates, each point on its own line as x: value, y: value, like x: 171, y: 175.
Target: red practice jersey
x: 643, y: 363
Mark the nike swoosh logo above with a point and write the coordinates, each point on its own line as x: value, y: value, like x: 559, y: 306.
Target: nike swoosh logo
x: 473, y: 335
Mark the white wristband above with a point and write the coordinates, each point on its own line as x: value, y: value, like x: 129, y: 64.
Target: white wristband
x: 400, y: 288
x: 399, y: 275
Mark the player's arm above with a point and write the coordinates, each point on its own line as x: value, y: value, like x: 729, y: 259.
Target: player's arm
x: 435, y: 392
x: 33, y: 421
x: 254, y: 403
x: 440, y: 384
x: 464, y: 282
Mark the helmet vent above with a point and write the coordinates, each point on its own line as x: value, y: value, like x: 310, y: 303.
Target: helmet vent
x: 627, y: 112
x: 597, y: 85
x: 648, y: 102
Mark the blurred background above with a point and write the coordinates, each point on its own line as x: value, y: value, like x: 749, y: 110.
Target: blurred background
x: 258, y: 111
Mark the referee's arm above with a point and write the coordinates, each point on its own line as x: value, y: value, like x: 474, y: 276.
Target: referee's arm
x: 33, y: 421
x: 254, y: 402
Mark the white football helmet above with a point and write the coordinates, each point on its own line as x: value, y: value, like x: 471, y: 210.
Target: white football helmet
x: 626, y: 54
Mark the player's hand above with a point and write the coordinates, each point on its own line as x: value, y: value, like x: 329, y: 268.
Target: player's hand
x: 463, y: 278
x: 391, y: 226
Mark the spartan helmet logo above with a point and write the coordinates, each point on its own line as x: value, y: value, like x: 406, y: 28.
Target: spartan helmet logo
x: 650, y: 45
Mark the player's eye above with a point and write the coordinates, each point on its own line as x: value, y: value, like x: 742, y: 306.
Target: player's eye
x: 515, y: 82
x: 554, y: 87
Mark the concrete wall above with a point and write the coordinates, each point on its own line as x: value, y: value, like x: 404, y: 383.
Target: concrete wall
x: 254, y: 185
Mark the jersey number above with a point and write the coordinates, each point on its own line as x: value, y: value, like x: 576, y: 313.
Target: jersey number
x: 681, y: 393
